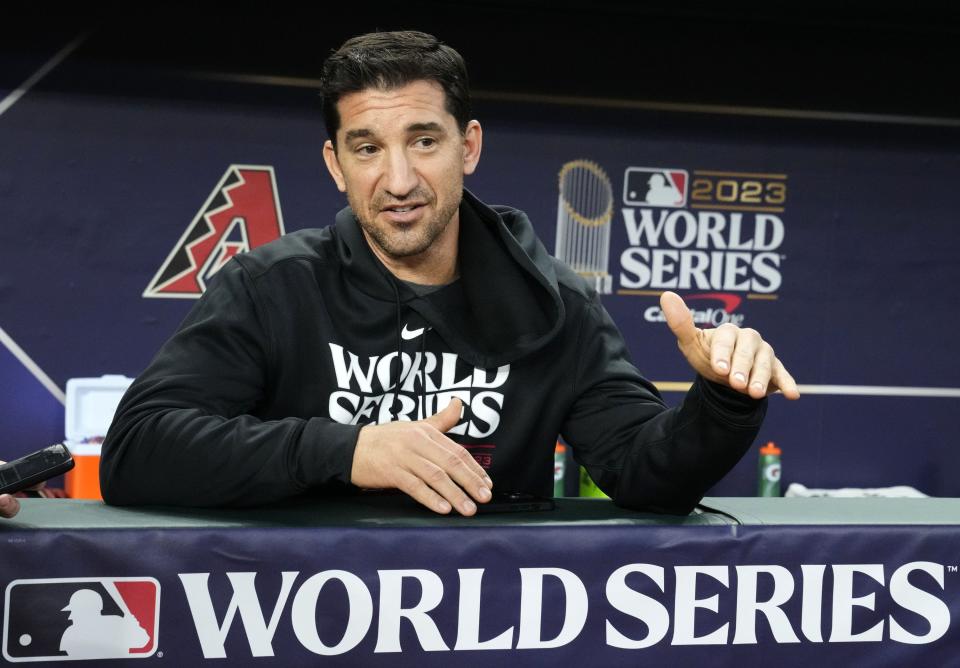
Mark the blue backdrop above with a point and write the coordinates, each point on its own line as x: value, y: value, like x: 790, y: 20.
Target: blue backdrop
x: 104, y: 170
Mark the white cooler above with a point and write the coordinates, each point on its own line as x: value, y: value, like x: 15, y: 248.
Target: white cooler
x: 91, y: 404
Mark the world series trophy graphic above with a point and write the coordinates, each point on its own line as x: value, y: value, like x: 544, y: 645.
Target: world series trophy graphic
x: 584, y: 214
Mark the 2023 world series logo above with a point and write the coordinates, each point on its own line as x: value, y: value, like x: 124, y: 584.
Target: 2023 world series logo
x: 722, y: 234
x: 716, y: 233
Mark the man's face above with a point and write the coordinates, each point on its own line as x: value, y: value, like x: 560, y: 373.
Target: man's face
x: 401, y: 159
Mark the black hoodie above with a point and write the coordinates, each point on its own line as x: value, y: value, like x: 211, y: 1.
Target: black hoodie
x: 261, y: 392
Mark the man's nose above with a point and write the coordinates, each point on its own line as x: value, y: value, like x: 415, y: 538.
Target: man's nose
x: 401, y: 177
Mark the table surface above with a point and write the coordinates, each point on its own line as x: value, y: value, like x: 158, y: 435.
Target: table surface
x: 397, y: 511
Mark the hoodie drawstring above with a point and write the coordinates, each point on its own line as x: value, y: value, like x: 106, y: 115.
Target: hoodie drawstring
x: 423, y: 361
x: 396, y: 389
x: 423, y: 367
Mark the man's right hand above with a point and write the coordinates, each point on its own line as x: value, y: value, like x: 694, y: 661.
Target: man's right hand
x: 419, y: 460
x: 9, y: 506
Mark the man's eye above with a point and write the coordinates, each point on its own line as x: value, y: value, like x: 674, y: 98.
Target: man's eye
x: 366, y: 149
x: 426, y: 142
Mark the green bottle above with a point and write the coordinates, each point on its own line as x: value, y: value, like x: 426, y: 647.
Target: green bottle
x: 768, y: 472
x: 588, y: 487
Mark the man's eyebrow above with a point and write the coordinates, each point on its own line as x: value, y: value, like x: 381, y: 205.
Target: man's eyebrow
x: 425, y: 127
x: 366, y: 133
x: 358, y: 134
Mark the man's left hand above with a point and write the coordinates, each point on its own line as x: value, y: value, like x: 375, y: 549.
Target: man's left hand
x: 729, y: 355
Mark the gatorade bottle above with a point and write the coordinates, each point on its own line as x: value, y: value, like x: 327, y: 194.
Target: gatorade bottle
x: 588, y: 487
x: 768, y: 472
x: 559, y: 468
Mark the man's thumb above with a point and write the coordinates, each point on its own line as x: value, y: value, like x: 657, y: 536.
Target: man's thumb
x: 678, y: 317
x: 448, y: 418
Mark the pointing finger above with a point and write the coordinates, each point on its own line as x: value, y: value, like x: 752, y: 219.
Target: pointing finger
x: 785, y: 381
x: 679, y: 319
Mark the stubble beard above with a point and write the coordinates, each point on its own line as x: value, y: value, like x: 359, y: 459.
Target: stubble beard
x: 399, y: 243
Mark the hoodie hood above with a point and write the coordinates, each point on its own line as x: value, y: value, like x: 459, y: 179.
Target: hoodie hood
x: 506, y: 303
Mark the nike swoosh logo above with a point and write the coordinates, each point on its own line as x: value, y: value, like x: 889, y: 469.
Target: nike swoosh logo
x: 407, y: 334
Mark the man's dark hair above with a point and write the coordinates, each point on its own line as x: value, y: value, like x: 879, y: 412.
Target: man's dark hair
x: 388, y: 60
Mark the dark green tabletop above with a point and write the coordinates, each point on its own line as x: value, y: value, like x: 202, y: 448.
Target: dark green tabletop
x: 395, y: 511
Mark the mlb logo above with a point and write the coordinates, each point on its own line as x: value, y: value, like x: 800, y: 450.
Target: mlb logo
x: 66, y: 619
x: 655, y: 186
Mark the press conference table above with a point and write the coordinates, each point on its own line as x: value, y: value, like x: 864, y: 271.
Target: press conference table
x: 376, y: 580
x: 390, y: 510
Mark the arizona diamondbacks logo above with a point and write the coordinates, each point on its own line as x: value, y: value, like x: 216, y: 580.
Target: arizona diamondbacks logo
x: 241, y: 213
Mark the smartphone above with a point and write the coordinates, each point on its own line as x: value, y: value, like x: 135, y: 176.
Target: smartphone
x: 34, y: 468
x: 515, y: 502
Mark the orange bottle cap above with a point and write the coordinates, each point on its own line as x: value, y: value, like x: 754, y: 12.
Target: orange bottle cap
x: 770, y: 449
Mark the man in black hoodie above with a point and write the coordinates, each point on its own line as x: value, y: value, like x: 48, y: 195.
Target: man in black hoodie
x: 425, y: 342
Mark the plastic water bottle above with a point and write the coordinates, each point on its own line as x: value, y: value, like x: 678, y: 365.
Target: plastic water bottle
x: 768, y: 472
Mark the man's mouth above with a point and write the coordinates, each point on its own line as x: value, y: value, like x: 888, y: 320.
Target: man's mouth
x: 402, y: 209
x: 403, y: 214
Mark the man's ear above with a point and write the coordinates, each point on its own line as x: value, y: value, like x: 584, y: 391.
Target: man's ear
x: 333, y: 165
x: 472, y: 145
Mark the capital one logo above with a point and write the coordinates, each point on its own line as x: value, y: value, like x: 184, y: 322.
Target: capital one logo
x: 241, y: 213
x: 64, y: 619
